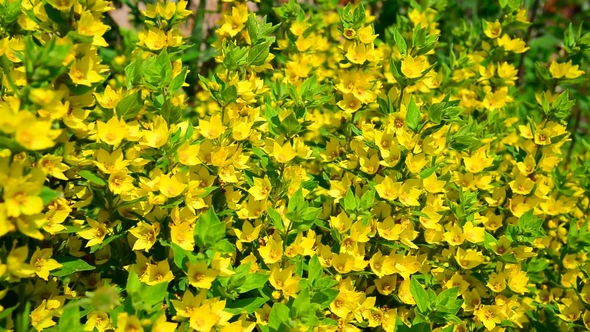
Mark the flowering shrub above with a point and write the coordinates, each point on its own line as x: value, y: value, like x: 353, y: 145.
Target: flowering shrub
x: 325, y: 176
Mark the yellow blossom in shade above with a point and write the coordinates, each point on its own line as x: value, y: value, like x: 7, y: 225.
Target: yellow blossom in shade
x: 200, y: 276
x: 113, y: 132
x: 567, y: 70
x: 41, y: 317
x: 497, y: 282
x: 386, y: 284
x: 42, y: 262
x: 127, y: 323
x: 493, y: 29
x: 272, y: 251
x: 96, y: 233
x: 222, y: 265
x: 146, y: 235
x: 468, y: 259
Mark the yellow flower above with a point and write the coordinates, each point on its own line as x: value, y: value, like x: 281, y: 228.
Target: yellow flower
x: 517, y: 281
x: 126, y: 323
x: 493, y: 29
x: 468, y: 259
x: 42, y: 262
x: 567, y: 70
x: 283, y: 154
x: 212, y: 129
x: 96, y: 233
x: 388, y: 189
x: 22, y: 198
x: 349, y: 103
x: 200, y: 276
x: 82, y: 72
x: 413, y: 67
x: 35, y: 134
x: 161, y: 324
x: 146, y: 235
x: 182, y: 234
x: 41, y: 317
x: 188, y: 154
x: 113, y: 132
x: 172, y: 186
x: 120, y: 182
x: 261, y: 188
x: 97, y: 320
x: 158, y: 135
x: 272, y: 251
x: 90, y: 26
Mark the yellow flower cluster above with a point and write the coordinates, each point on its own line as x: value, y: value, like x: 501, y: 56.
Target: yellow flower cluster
x: 325, y: 177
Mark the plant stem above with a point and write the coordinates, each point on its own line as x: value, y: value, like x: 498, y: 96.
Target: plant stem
x: 526, y: 40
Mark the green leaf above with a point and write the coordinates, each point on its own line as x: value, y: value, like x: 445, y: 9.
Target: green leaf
x: 349, y: 202
x: 367, y: 200
x: 291, y: 125
x: 419, y: 294
x: 488, y: 240
x: 182, y: 257
x: 88, y: 175
x: 70, y: 265
x: 297, y: 201
x: 170, y: 112
x: 258, y: 54
x: 178, y: 80
x: 301, y: 303
x: 48, y: 195
x: 130, y: 106
x: 70, y: 318
x: 276, y: 218
x: 412, y: 115
x: 253, y: 281
x: 209, y: 230
x: 400, y: 42
x: 279, y: 314
x: 325, y: 297
x: 314, y: 269
x: 245, y: 306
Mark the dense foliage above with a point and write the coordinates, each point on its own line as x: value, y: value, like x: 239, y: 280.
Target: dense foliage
x: 380, y: 166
